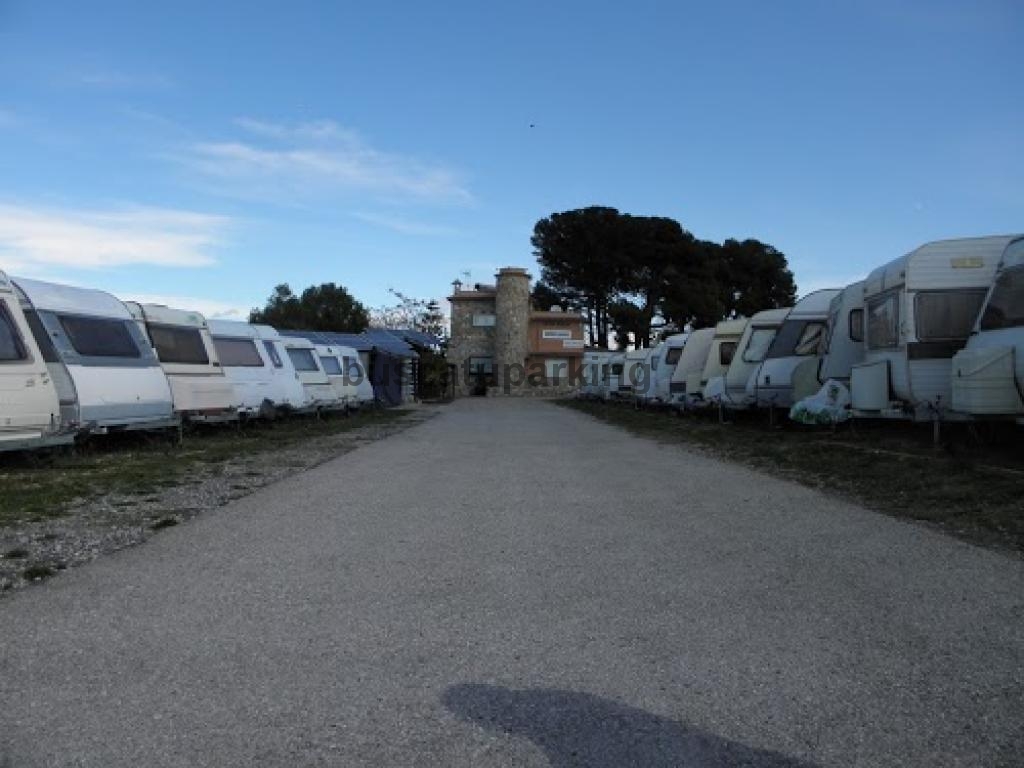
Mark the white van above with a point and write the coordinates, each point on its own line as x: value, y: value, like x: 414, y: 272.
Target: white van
x: 685, y: 384
x: 919, y: 312
x: 988, y: 374
x: 183, y: 345
x: 731, y: 389
x: 842, y: 346
x: 799, y: 339
x: 262, y: 383
x: 30, y: 410
x: 105, y: 371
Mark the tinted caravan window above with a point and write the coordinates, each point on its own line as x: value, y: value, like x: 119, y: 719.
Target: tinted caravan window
x: 237, y: 353
x: 331, y: 365
x: 272, y: 353
x: 175, y: 344
x: 1006, y: 305
x: 797, y: 338
x: 11, y: 346
x: 946, y: 315
x: 99, y: 336
x: 674, y: 353
x: 883, y: 321
x: 303, y: 359
x: 857, y: 324
x: 43, y: 340
x: 758, y: 344
x: 726, y: 352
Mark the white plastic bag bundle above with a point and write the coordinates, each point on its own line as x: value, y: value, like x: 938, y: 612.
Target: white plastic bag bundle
x: 831, y: 405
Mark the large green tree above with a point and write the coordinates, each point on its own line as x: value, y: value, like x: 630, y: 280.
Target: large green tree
x: 753, y: 276
x: 325, y: 307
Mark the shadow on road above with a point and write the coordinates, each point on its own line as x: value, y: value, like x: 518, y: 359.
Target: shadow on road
x: 578, y: 729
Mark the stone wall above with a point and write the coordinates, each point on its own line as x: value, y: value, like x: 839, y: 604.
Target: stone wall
x: 512, y: 307
x: 468, y: 340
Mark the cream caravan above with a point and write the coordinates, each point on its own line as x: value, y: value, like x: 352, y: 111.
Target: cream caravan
x: 30, y: 409
x: 988, y: 374
x: 105, y: 371
x: 799, y: 339
x: 332, y: 361
x: 731, y: 389
x: 199, y: 389
x: 685, y: 382
x: 919, y: 312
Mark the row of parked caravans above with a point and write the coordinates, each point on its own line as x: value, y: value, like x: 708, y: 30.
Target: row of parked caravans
x: 937, y: 333
x: 76, y: 360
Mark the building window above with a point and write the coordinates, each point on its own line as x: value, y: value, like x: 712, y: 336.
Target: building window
x: 100, y: 337
x: 556, y: 333
x: 556, y: 370
x: 946, y: 315
x: 481, y: 366
x: 483, y: 321
x: 178, y: 345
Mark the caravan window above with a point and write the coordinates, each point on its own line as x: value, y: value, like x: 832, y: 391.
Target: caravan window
x: 237, y: 353
x: 796, y: 338
x: 757, y: 345
x: 674, y: 353
x: 99, y: 336
x: 303, y: 359
x: 726, y: 352
x: 175, y: 344
x: 331, y: 365
x: 946, y: 315
x: 1006, y: 305
x: 617, y: 369
x: 857, y: 324
x: 11, y: 346
x: 272, y: 353
x: 883, y: 321
x: 43, y: 340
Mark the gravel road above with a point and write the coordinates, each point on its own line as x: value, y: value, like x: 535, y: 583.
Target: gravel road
x: 513, y: 583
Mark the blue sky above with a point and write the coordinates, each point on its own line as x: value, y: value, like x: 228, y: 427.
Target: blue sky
x: 203, y: 152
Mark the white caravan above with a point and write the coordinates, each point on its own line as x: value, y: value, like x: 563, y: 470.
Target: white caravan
x: 30, y: 409
x: 664, y: 360
x: 612, y: 385
x: 331, y: 360
x: 262, y: 383
x: 731, y: 389
x: 301, y: 398
x: 357, y: 377
x: 594, y: 363
x: 302, y: 354
x: 199, y: 389
x: 105, y: 371
x: 799, y: 338
x: 842, y: 346
x: 685, y: 381
x: 636, y: 375
x: 919, y: 311
x: 988, y: 374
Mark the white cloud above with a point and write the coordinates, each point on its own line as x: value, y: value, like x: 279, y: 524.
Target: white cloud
x: 405, y: 226
x: 211, y: 308
x: 93, y: 239
x: 319, y: 157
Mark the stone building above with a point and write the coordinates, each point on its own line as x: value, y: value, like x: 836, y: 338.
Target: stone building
x: 500, y: 345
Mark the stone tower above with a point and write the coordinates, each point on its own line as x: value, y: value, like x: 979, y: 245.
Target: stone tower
x: 512, y: 320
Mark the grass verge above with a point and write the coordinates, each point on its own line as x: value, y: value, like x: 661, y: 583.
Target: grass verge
x: 34, y: 487
x: 971, y: 489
